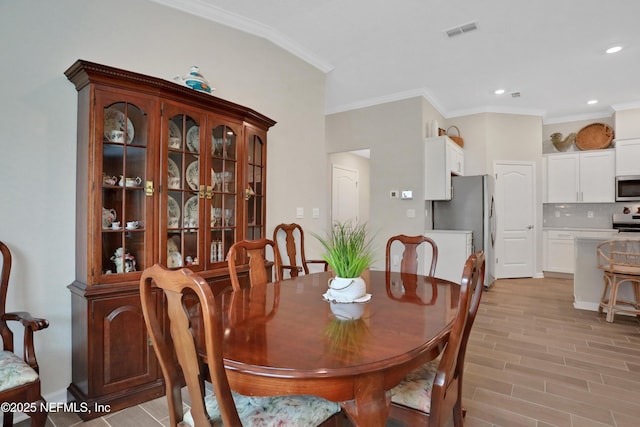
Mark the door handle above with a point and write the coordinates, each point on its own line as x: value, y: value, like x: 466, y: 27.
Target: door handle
x: 529, y: 227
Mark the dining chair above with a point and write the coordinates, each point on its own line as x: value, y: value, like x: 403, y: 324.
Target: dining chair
x: 19, y: 379
x: 433, y: 392
x: 409, y: 262
x: 289, y: 239
x: 255, y: 250
x: 224, y: 405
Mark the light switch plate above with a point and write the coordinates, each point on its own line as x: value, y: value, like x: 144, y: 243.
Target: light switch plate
x: 299, y: 212
x: 315, y: 213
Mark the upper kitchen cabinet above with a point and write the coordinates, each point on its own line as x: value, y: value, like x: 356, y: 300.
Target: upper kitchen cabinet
x: 584, y: 177
x: 627, y: 155
x: 443, y: 158
x: 165, y: 174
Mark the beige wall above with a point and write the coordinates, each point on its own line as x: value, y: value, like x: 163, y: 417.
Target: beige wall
x: 38, y: 121
x: 394, y: 132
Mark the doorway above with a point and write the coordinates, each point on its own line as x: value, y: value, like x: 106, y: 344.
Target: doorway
x: 515, y: 218
x: 350, y: 186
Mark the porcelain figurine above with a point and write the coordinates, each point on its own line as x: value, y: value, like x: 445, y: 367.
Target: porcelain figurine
x: 125, y: 263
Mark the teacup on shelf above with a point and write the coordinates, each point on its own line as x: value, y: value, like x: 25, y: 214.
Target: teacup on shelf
x: 116, y: 136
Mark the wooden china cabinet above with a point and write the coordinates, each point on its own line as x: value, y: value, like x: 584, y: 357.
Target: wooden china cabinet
x: 165, y: 174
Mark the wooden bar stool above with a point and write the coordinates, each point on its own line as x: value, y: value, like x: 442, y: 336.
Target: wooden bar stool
x: 620, y: 261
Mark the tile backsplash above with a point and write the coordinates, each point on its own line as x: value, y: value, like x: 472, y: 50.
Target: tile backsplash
x: 577, y: 215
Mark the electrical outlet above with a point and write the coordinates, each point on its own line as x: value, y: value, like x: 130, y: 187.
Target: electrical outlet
x: 590, y: 214
x: 411, y: 213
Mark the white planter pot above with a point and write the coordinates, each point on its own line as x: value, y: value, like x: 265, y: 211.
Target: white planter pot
x: 343, y: 289
x: 347, y: 311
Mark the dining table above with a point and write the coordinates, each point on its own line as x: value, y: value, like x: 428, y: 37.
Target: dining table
x: 285, y: 338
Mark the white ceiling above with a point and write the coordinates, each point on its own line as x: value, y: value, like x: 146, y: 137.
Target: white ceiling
x: 373, y: 51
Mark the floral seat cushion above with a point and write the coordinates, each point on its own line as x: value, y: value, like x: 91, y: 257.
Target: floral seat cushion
x: 415, y: 389
x: 299, y: 411
x: 14, y: 371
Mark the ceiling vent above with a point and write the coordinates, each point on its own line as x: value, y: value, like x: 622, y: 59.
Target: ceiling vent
x: 461, y: 29
x: 515, y: 94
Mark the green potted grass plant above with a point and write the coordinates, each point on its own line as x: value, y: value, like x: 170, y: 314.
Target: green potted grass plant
x: 349, y: 252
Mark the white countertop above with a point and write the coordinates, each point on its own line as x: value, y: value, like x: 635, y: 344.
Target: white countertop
x: 617, y: 236
x: 613, y: 230
x: 447, y: 231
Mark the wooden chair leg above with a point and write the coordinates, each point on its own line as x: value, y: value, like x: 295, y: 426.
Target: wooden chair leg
x: 613, y: 291
x: 603, y: 299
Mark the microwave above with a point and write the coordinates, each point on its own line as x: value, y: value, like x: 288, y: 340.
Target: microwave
x: 627, y: 188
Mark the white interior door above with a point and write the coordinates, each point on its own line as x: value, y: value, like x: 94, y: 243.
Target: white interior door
x: 344, y: 194
x: 515, y: 237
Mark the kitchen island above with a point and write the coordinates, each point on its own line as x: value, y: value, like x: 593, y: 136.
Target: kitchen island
x: 588, y: 280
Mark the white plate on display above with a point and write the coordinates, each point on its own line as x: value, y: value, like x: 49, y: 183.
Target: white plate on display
x: 174, y: 170
x: 173, y: 213
x: 174, y: 259
x: 193, y: 175
x: 191, y: 212
x: 193, y: 139
x: 175, y: 136
x: 114, y: 120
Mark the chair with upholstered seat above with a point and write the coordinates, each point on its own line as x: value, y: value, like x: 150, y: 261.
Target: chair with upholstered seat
x: 289, y: 239
x: 620, y: 262
x: 19, y: 379
x: 256, y: 252
x: 433, y: 392
x: 409, y: 262
x: 230, y: 408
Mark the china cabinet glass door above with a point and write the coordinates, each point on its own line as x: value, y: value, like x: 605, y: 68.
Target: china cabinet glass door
x: 223, y: 200
x: 125, y: 199
x: 255, y: 189
x: 182, y: 187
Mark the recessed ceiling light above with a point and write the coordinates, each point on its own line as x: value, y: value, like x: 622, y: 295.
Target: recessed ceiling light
x: 499, y: 91
x: 614, y: 49
x: 592, y: 101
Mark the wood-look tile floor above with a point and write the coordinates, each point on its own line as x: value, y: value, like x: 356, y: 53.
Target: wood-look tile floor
x: 532, y: 361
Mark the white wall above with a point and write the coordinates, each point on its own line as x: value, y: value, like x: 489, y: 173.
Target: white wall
x: 41, y: 39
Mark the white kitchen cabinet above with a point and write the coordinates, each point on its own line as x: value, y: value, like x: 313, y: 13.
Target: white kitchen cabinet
x: 443, y: 158
x: 559, y: 247
x: 454, y: 247
x: 585, y: 177
x: 558, y: 251
x: 627, y: 155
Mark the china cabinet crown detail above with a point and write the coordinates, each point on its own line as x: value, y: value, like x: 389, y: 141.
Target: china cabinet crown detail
x: 165, y: 174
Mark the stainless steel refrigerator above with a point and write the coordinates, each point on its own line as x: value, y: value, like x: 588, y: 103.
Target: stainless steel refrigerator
x: 471, y: 208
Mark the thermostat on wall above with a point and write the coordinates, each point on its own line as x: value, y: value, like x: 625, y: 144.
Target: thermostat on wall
x: 407, y: 194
